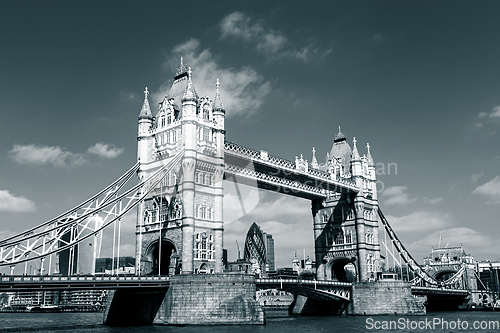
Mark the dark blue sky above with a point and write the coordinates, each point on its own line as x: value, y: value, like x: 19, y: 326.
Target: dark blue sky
x: 419, y: 81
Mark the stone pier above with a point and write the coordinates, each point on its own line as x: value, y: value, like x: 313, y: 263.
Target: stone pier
x: 384, y: 298
x: 201, y: 299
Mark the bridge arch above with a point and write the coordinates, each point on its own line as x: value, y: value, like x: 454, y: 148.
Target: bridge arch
x: 341, y: 269
x: 164, y: 262
x: 444, y: 274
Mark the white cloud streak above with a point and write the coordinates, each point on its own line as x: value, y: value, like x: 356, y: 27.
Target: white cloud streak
x: 490, y: 189
x: 11, y: 203
x: 242, y: 89
x: 40, y: 154
x: 420, y: 221
x: 105, y: 150
x: 269, y: 42
x: 396, y: 195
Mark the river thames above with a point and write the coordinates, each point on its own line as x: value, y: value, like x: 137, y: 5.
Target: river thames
x: 277, y: 322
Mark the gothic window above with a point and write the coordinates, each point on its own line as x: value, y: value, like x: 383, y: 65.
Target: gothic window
x: 348, y: 237
x: 162, y: 121
x: 163, y: 207
x: 206, y: 112
x: 202, y: 178
x: 206, y: 135
x: 339, y: 239
x: 370, y: 261
x: 173, y: 137
x: 203, y: 212
x: 209, y: 180
x: 169, y: 119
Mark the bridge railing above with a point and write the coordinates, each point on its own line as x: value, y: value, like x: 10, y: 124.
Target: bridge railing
x: 47, y: 279
x: 304, y: 282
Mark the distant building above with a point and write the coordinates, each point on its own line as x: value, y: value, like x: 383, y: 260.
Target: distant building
x: 240, y: 265
x: 259, y: 249
x: 80, y: 258
x: 105, y: 265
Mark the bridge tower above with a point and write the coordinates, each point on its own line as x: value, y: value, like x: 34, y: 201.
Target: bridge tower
x: 346, y: 226
x: 179, y: 225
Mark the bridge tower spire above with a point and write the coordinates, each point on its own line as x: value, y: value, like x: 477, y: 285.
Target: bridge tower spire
x: 145, y: 124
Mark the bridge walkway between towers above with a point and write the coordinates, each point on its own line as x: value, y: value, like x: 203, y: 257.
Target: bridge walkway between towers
x: 258, y: 168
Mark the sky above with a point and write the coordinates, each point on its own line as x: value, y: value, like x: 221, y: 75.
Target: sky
x: 417, y: 80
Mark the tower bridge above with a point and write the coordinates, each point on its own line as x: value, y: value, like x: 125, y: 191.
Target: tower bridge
x: 182, y: 159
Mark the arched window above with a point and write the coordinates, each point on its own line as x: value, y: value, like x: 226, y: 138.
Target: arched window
x: 169, y: 119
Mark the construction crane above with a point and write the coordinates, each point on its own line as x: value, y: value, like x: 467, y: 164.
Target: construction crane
x: 239, y: 251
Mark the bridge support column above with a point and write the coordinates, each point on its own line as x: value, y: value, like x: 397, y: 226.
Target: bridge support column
x: 307, y: 306
x: 383, y: 298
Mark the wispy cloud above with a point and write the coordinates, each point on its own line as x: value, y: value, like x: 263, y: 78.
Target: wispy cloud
x: 475, y: 176
x: 493, y: 114
x: 420, y: 221
x: 487, y: 117
x: 243, y: 89
x: 40, y: 154
x: 473, y: 241
x: 11, y: 203
x: 272, y: 43
x: 490, y: 189
x: 396, y: 195
x: 105, y: 150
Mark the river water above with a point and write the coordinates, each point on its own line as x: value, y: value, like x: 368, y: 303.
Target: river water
x: 277, y: 322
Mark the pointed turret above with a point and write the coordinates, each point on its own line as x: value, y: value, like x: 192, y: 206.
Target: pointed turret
x: 189, y: 93
x: 218, y: 100
x: 146, y: 110
x: 314, y: 162
x: 356, y: 168
x: 218, y: 109
x: 369, y: 157
x: 355, y: 153
x: 341, y: 151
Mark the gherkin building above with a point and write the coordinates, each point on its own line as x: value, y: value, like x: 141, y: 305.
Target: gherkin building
x: 255, y: 247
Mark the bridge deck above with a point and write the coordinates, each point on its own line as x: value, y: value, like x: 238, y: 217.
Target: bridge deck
x: 272, y: 173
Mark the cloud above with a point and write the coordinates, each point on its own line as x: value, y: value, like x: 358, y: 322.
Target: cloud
x: 432, y: 201
x: 490, y: 189
x: 396, y: 195
x: 129, y: 96
x: 475, y: 176
x: 493, y: 114
x: 11, y: 203
x: 420, y: 221
x: 487, y: 117
x: 40, y: 154
x: 269, y: 42
x: 243, y: 90
x: 473, y: 242
x: 105, y: 150
x: 283, y: 207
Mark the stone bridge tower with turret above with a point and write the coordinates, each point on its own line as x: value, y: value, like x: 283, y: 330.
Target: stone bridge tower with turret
x: 345, y: 225
x: 179, y: 225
